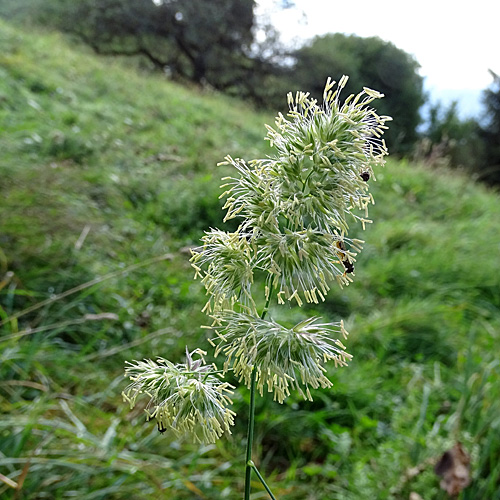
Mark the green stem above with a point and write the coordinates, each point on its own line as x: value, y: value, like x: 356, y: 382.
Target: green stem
x: 251, y: 425
x: 254, y: 467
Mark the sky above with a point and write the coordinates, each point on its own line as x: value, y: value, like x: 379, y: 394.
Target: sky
x: 455, y: 42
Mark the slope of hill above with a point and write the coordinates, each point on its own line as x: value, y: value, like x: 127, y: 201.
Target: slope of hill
x: 106, y: 175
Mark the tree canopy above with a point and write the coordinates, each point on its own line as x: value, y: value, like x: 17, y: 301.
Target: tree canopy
x: 204, y: 42
x: 455, y: 140
x: 491, y: 132
x: 194, y: 39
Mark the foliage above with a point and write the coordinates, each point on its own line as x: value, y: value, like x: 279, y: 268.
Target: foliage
x: 191, y: 39
x: 371, y: 62
x: 424, y: 325
x: 452, y: 140
x: 491, y: 132
x: 207, y: 43
x: 465, y: 143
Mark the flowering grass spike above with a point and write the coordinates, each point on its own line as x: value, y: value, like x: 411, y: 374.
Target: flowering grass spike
x: 284, y: 358
x: 297, y: 204
x: 187, y: 398
x: 294, y: 210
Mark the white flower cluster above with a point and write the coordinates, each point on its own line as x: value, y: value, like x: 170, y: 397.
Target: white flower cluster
x: 283, y: 357
x: 295, y: 206
x: 187, y: 398
x: 295, y: 209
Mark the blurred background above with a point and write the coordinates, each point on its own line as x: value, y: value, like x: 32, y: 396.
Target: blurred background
x: 114, y: 115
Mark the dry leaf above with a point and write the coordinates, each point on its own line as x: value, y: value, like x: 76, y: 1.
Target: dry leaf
x: 454, y: 468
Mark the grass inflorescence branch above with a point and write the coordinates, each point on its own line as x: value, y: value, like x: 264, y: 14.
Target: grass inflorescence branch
x: 294, y: 210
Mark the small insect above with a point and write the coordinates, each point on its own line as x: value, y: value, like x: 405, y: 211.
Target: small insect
x: 348, y: 265
x: 161, y: 427
x: 365, y: 176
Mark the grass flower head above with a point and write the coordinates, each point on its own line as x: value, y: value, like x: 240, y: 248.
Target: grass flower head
x: 294, y: 207
x: 187, y: 398
x: 284, y: 358
x: 228, y: 273
x: 298, y: 203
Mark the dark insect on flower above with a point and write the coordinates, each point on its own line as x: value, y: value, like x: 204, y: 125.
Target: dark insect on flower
x: 342, y: 255
x: 161, y: 427
x: 349, y: 266
x: 365, y: 176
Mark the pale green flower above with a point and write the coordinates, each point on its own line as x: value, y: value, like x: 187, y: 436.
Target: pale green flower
x: 229, y: 274
x: 315, y: 177
x: 252, y: 196
x: 296, y: 204
x: 295, y: 209
x: 284, y: 358
x: 302, y: 263
x: 187, y: 398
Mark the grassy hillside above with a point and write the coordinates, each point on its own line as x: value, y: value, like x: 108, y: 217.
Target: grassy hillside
x: 106, y: 176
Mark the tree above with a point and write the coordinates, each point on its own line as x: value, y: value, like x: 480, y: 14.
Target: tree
x: 194, y: 39
x: 210, y: 43
x: 204, y: 42
x: 491, y: 132
x: 455, y: 140
x: 369, y: 62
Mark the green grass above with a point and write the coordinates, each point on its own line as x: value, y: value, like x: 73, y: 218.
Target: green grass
x: 102, y: 168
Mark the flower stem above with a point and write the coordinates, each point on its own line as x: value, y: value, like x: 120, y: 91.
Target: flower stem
x: 254, y: 467
x: 251, y: 424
